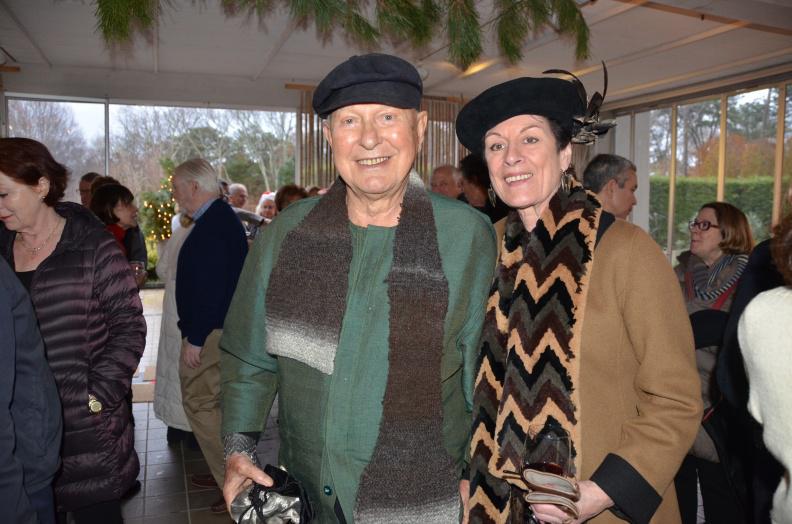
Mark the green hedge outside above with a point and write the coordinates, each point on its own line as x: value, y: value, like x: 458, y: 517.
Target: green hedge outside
x: 752, y: 195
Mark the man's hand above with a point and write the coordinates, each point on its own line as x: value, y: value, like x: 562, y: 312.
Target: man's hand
x: 464, y: 496
x: 593, y: 501
x: 240, y: 473
x: 190, y: 354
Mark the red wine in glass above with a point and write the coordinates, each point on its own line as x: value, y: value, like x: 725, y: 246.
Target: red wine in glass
x: 546, y: 467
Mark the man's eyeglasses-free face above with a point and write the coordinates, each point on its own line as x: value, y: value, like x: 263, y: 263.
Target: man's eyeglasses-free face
x: 702, y: 225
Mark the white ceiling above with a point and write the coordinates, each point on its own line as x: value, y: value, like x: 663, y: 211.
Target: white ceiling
x: 199, y: 56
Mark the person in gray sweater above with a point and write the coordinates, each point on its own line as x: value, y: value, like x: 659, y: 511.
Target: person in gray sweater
x: 30, y: 410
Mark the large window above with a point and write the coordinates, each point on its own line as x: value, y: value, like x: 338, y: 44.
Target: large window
x: 750, y: 156
x: 255, y: 148
x: 74, y: 132
x: 653, y: 156
x: 735, y: 147
x: 698, y: 132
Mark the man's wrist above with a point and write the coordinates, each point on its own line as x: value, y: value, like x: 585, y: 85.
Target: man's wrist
x: 239, y: 443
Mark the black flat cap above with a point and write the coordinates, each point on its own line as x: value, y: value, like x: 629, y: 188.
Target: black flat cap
x: 369, y: 79
x: 548, y: 97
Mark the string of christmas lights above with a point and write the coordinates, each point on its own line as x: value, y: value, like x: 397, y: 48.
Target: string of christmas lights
x: 159, y: 208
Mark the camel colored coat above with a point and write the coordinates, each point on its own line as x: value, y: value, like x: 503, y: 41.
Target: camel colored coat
x: 639, y: 389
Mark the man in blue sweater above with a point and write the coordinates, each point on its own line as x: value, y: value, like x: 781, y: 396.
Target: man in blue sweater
x: 206, y: 276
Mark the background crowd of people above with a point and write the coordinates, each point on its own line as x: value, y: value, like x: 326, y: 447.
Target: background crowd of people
x: 444, y: 321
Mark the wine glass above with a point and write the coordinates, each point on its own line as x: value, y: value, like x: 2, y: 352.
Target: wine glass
x: 138, y: 271
x: 548, y: 449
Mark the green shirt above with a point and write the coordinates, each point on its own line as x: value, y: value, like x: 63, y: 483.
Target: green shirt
x: 329, y: 423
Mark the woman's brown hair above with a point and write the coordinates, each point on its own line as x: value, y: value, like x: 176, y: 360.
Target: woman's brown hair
x: 734, y: 228
x: 27, y: 161
x: 781, y: 248
x: 288, y: 194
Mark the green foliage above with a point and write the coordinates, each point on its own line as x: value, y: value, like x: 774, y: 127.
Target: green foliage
x: 117, y: 19
x: 404, y: 20
x: 152, y: 258
x: 464, y: 33
x: 286, y: 173
x: 158, y: 208
x: 413, y: 21
x: 752, y: 195
x: 513, y: 28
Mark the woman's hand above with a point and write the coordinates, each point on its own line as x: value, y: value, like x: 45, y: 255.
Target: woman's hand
x: 240, y: 473
x: 593, y: 501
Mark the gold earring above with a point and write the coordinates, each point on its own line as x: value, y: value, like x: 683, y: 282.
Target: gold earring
x: 493, y: 198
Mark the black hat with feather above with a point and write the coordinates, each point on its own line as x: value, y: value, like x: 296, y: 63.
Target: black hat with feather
x: 564, y: 101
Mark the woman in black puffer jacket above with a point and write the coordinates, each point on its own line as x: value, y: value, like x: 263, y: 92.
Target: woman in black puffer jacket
x: 91, y: 320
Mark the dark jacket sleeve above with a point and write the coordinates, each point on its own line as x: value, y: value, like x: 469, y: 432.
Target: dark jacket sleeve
x: 13, y: 499
x: 112, y: 367
x: 760, y: 275
x: 219, y: 270
x: 135, y: 244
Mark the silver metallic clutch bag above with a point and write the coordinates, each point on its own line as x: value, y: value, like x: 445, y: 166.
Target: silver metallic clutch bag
x: 285, y: 502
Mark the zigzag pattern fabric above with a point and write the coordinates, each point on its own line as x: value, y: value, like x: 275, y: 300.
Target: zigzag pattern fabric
x: 528, y: 365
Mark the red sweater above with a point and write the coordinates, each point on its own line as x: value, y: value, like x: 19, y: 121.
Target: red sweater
x: 118, y: 233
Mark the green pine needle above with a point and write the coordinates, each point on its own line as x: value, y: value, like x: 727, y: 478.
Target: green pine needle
x: 261, y: 8
x: 571, y: 23
x: 359, y: 28
x: 117, y: 19
x: 413, y: 21
x: 406, y: 20
x: 511, y: 29
x: 464, y: 33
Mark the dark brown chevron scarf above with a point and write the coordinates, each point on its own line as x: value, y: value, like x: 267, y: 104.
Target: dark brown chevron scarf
x: 410, y: 478
x: 529, y: 362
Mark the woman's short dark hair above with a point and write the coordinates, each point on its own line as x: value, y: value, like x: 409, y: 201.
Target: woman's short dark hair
x: 562, y: 135
x: 27, y: 161
x: 107, y: 197
x: 288, y: 194
x: 734, y: 228
x: 781, y: 248
x: 475, y: 171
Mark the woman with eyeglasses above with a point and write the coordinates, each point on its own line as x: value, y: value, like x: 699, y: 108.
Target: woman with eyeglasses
x: 720, y: 241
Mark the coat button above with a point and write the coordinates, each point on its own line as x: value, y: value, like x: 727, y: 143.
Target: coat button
x: 328, y: 490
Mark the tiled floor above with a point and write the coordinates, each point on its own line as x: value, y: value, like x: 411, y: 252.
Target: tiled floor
x: 167, y: 495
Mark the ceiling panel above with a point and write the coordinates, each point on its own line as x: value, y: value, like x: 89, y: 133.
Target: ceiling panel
x: 196, y: 40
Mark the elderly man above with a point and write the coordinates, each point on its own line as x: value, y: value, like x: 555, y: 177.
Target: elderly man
x: 613, y: 179
x: 446, y: 180
x: 362, y: 311
x: 207, y: 271
x: 237, y: 195
x: 85, y: 187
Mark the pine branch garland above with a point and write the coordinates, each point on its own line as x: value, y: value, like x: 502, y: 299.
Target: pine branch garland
x: 512, y: 29
x: 413, y: 21
x: 464, y: 32
x: 117, y: 19
x: 359, y: 28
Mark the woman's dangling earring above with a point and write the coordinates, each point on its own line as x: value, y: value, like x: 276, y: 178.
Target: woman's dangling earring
x: 493, y: 198
x: 566, y: 180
